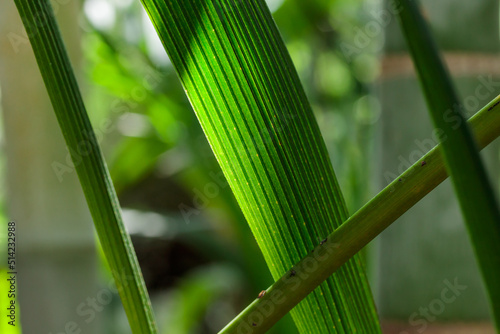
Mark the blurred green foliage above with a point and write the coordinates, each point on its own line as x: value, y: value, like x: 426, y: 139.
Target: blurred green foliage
x: 161, y: 163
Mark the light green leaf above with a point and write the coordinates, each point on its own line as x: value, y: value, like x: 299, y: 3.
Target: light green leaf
x: 245, y: 91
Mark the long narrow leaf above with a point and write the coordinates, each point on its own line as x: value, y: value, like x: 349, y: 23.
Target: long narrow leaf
x: 368, y: 222
x: 244, y: 89
x: 463, y: 163
x: 52, y: 59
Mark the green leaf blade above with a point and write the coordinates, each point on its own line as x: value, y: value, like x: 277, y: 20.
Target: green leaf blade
x: 247, y: 96
x: 93, y: 174
x: 472, y: 187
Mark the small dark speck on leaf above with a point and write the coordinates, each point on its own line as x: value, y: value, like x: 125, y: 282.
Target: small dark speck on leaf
x: 400, y: 180
x: 423, y: 163
x: 262, y: 293
x: 322, y: 242
x: 254, y: 324
x: 493, y: 106
x: 292, y: 273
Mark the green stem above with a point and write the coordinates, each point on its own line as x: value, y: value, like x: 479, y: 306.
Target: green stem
x: 362, y: 227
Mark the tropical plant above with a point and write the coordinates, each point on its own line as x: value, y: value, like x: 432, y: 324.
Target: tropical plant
x: 247, y: 96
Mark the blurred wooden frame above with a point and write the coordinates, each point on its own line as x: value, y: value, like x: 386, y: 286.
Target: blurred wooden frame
x: 460, y: 65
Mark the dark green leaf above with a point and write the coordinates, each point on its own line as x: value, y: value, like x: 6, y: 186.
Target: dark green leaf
x: 65, y: 96
x: 463, y: 163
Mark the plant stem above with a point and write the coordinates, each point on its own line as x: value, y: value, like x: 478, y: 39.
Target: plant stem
x: 362, y: 227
